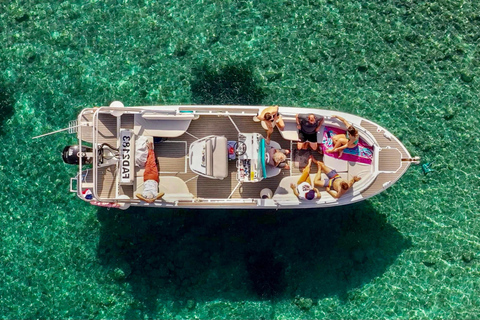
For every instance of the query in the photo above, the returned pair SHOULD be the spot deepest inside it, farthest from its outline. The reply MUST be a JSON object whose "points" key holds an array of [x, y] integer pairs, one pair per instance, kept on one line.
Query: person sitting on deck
{"points": [[304, 188], [271, 117], [277, 157], [308, 125], [347, 140], [150, 177], [335, 185]]}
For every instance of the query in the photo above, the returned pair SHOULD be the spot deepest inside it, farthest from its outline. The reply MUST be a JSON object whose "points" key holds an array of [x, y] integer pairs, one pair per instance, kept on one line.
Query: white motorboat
{"points": [[214, 157]]}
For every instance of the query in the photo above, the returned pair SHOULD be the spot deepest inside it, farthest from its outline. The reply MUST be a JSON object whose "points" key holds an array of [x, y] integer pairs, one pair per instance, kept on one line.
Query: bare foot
{"points": [[329, 151], [340, 153]]}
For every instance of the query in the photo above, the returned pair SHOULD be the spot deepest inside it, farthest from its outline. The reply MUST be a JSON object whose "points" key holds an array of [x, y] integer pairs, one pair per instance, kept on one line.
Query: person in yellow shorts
{"points": [[304, 189]]}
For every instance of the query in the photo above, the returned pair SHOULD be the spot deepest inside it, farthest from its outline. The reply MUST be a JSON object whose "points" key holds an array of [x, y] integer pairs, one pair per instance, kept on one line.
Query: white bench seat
{"points": [[173, 187]]}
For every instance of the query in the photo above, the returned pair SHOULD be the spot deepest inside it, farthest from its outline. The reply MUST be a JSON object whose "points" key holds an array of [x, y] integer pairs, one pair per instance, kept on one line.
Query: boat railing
{"points": [[95, 155], [80, 160], [219, 110], [216, 202]]}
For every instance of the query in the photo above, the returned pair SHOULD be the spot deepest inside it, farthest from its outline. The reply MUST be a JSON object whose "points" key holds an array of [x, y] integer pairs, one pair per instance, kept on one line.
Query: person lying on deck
{"points": [[271, 117], [347, 140], [304, 189], [150, 178], [335, 185], [308, 125], [277, 157]]}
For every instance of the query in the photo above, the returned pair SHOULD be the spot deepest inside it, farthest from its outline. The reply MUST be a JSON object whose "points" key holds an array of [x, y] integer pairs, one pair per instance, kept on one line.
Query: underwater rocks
{"points": [[466, 76], [121, 273], [22, 18], [6, 103], [468, 257], [303, 303], [190, 304]]}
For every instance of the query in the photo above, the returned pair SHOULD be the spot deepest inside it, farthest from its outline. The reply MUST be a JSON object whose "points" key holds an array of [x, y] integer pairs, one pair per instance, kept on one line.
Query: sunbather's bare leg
{"points": [[280, 123], [323, 167], [318, 177], [337, 144]]}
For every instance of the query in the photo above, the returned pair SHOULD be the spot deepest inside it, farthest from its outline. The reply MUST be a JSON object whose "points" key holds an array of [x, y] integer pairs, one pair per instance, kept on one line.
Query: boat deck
{"points": [[172, 159]]}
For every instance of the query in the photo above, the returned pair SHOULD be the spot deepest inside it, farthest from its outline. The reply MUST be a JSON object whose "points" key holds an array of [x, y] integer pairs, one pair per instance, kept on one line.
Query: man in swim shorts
{"points": [[308, 125], [335, 185], [150, 177], [304, 189]]}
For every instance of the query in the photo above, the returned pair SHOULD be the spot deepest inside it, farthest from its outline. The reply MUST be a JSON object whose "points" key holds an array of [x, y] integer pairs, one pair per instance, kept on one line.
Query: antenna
{"points": [[72, 126]]}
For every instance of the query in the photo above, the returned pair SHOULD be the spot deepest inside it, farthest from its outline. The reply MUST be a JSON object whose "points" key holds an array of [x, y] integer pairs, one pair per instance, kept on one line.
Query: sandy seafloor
{"points": [[411, 252]]}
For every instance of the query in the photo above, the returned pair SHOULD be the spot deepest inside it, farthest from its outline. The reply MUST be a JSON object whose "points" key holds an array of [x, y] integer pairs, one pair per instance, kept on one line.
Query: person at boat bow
{"points": [[150, 178], [343, 141]]}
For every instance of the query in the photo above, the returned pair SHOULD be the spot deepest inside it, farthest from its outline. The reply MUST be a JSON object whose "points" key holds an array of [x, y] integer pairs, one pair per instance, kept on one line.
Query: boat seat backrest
{"points": [[209, 157], [290, 132], [173, 187], [217, 160]]}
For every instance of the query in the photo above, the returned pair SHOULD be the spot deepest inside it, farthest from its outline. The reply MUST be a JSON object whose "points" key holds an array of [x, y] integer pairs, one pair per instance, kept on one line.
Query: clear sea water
{"points": [[411, 252]]}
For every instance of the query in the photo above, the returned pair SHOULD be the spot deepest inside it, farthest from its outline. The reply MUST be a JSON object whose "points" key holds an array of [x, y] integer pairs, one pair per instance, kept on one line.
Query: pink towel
{"points": [[362, 153]]}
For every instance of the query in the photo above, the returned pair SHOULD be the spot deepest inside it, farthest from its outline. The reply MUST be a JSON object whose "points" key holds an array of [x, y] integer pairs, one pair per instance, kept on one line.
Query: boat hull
{"points": [[193, 147]]}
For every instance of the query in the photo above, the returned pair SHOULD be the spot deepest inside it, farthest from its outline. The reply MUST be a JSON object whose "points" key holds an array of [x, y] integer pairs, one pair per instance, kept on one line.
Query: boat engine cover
{"points": [[71, 155]]}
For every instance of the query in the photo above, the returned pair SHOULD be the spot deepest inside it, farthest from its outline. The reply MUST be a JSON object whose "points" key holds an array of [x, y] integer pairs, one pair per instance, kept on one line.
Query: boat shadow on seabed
{"points": [[235, 255]]}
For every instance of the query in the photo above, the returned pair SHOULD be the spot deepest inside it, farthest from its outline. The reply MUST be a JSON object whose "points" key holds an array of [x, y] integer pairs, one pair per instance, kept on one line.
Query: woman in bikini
{"points": [[347, 140], [271, 117]]}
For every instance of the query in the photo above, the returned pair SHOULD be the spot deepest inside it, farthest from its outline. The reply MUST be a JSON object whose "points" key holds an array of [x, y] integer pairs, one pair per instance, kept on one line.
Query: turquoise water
{"points": [[411, 252]]}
